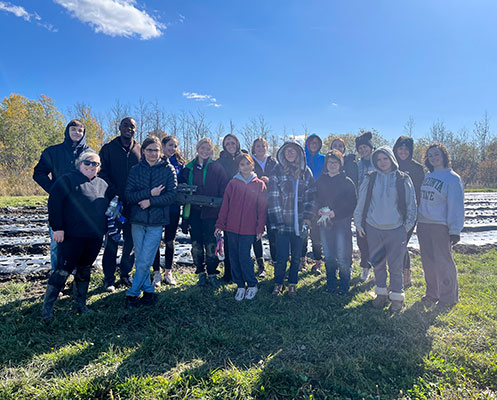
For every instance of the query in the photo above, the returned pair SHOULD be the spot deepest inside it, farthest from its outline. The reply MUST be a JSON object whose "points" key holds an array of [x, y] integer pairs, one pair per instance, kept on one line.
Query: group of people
{"points": [[299, 195]]}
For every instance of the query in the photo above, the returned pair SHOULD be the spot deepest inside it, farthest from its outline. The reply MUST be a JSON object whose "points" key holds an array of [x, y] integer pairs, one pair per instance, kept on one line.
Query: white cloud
{"points": [[181, 18], [334, 104], [202, 97], [21, 12], [18, 11], [114, 17]]}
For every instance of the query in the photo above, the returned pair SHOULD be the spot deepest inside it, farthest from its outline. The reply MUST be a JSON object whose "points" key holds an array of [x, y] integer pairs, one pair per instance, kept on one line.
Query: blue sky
{"points": [[333, 66]]}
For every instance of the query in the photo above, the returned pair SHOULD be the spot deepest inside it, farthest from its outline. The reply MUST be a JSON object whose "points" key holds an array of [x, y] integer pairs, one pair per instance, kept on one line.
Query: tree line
{"points": [[27, 126]]}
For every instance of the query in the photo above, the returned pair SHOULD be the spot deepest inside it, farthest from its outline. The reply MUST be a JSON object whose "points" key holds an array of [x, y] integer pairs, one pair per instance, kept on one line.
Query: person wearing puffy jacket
{"points": [[243, 217], [151, 188]]}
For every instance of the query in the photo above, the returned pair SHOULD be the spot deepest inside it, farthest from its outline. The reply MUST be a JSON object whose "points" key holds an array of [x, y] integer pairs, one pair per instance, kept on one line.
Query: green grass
{"points": [[480, 190], [23, 201], [199, 343]]}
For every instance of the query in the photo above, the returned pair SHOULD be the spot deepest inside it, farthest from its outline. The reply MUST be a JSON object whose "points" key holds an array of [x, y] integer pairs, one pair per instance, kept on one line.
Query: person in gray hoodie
{"points": [[385, 212], [441, 220]]}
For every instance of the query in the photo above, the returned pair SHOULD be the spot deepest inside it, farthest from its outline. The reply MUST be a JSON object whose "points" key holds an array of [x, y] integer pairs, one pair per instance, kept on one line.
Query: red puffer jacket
{"points": [[244, 207]]}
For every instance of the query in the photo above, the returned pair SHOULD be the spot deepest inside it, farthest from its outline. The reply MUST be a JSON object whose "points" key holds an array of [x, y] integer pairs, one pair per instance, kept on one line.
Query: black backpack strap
{"points": [[371, 179]]}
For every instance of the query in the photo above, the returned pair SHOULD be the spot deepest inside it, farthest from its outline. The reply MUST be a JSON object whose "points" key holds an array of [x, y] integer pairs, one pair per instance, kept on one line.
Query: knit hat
{"points": [[365, 138]]}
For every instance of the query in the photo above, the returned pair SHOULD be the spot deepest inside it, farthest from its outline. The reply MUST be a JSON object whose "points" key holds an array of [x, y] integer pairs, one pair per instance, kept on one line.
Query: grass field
{"points": [[199, 343], [23, 201]]}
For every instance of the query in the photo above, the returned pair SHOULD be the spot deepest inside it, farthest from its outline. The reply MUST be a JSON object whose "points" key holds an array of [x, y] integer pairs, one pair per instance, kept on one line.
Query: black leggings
{"points": [[79, 253]]}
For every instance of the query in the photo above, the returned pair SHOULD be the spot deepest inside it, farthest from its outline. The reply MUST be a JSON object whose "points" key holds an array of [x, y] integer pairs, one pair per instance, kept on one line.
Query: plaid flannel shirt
{"points": [[281, 213]]}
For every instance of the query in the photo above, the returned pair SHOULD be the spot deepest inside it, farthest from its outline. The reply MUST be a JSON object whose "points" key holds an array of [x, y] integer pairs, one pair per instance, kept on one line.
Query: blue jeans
{"points": [[146, 240], [54, 251], [287, 243], [337, 247], [242, 265]]}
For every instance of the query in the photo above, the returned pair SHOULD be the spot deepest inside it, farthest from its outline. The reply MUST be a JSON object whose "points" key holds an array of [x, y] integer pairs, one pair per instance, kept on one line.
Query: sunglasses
{"points": [[92, 163]]}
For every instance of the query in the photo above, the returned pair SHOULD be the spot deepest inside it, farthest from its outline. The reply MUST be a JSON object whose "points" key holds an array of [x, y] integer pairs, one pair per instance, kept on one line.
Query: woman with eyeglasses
{"points": [[151, 188], [76, 214]]}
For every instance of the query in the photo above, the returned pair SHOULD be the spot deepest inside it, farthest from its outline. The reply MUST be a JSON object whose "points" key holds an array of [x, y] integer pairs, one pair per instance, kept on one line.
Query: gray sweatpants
{"points": [[388, 246], [438, 264]]}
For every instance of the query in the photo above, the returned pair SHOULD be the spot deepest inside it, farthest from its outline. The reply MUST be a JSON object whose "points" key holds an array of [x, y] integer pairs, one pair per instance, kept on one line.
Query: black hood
{"points": [[81, 145], [404, 141]]}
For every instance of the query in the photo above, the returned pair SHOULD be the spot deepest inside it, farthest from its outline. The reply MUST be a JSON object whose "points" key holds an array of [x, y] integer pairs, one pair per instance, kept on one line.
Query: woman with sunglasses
{"points": [[151, 188], [76, 214]]}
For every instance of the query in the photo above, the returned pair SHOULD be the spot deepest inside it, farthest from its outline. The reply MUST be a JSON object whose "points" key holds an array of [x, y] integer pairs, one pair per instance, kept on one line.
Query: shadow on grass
{"points": [[317, 343]]}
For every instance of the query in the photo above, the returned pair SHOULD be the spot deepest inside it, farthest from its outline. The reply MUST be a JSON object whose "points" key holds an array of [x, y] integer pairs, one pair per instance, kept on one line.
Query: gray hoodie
{"points": [[383, 212]]}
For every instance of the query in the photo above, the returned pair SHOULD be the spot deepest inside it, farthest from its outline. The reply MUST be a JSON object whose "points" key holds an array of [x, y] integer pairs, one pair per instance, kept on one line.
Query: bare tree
{"points": [[256, 127], [158, 119], [409, 126], [142, 117], [482, 135]]}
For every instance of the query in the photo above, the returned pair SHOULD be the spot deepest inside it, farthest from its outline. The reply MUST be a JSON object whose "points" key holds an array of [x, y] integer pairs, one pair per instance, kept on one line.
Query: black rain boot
{"points": [[148, 299], [47, 310], [261, 269], [80, 293]]}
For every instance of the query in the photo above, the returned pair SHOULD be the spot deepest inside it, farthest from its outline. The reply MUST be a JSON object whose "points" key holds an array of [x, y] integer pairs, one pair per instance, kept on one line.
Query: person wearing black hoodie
{"points": [[56, 161], [228, 160], [118, 156], [403, 150]]}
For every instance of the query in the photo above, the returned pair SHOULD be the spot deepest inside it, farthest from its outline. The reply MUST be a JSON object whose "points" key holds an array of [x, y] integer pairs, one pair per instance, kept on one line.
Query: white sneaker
{"points": [[169, 278], [251, 292], [366, 272], [157, 279], [240, 294]]}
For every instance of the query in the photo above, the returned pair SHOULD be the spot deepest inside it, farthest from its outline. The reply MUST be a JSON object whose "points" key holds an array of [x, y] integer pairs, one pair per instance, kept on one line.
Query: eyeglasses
{"points": [[152, 150], [92, 163]]}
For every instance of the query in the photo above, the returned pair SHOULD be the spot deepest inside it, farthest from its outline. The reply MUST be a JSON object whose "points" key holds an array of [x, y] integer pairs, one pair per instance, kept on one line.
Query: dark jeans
{"points": [[362, 243], [337, 247], [227, 259], [258, 250], [286, 244], [76, 253], [169, 236], [110, 254], [317, 252], [242, 265], [203, 243], [407, 258]]}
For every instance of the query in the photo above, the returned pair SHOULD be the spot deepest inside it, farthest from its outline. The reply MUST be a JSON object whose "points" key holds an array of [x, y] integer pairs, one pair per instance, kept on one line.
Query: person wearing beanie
{"points": [[211, 180], [291, 196], [335, 202], [364, 147], [385, 212], [403, 150], [441, 220], [349, 163], [315, 161]]}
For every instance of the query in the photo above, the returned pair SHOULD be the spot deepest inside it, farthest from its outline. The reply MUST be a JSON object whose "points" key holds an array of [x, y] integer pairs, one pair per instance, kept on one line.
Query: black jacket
{"points": [[350, 168], [229, 162], [414, 169], [57, 160], [338, 193], [77, 206], [141, 180], [268, 168], [116, 164]]}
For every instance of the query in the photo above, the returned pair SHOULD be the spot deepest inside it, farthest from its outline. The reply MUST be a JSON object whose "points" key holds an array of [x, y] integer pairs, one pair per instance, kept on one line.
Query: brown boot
{"points": [[380, 301]]}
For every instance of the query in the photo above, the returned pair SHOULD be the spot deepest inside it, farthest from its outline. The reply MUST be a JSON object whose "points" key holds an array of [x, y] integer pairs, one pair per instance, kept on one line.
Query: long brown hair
{"points": [[178, 155], [445, 154]]}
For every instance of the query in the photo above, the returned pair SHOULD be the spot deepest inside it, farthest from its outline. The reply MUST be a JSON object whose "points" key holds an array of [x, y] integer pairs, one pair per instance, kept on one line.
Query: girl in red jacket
{"points": [[243, 217]]}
